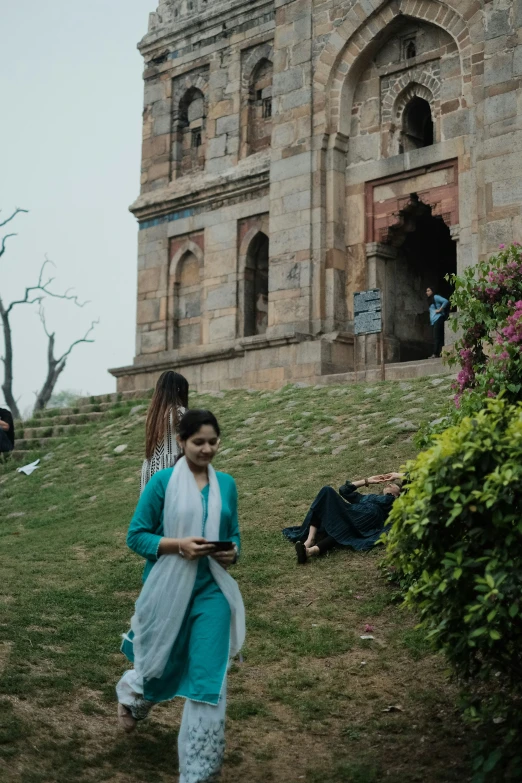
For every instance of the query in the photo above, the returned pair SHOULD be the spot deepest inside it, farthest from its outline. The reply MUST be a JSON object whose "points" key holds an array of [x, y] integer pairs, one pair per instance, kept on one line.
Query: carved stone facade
{"points": [[298, 151]]}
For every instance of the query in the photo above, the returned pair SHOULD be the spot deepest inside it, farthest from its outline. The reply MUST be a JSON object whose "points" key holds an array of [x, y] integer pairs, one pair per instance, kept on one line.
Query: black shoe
{"points": [[300, 551]]}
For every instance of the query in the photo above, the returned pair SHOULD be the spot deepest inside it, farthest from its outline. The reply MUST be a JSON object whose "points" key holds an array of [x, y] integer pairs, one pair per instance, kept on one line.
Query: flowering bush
{"points": [[456, 543], [489, 300]]}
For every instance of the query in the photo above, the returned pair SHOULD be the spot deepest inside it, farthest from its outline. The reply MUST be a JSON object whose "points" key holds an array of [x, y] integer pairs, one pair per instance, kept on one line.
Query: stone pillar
{"points": [[334, 282], [380, 263], [291, 215]]}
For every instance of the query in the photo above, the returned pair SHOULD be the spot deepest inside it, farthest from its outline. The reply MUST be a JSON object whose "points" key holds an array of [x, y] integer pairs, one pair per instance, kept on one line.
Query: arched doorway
{"points": [[425, 255], [256, 286]]}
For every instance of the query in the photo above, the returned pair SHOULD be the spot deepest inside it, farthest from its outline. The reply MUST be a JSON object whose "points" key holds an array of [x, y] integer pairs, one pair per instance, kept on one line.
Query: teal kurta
{"points": [[198, 661]]}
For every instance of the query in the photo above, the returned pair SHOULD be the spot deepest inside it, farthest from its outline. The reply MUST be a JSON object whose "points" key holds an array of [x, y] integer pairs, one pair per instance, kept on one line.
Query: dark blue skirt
{"points": [[358, 524]]}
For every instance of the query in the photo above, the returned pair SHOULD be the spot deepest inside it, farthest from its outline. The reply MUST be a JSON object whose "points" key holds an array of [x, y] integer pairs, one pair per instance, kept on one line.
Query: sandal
{"points": [[125, 719], [300, 551]]}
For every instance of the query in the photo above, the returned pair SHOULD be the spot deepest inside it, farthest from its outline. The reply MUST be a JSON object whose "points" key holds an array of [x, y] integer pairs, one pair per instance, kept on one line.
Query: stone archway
{"points": [[345, 54], [425, 255], [255, 307], [341, 156], [184, 293], [411, 246]]}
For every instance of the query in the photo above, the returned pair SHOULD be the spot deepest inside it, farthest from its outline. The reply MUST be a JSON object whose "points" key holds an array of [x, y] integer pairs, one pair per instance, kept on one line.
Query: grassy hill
{"points": [[310, 702]]}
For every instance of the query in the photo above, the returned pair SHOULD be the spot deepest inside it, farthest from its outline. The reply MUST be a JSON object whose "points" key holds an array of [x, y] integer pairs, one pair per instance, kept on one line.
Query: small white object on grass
{"points": [[120, 449], [28, 469], [367, 637]]}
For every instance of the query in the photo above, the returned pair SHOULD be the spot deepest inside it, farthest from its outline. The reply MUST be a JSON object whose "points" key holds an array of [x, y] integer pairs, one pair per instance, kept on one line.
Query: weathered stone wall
{"points": [[301, 105]]}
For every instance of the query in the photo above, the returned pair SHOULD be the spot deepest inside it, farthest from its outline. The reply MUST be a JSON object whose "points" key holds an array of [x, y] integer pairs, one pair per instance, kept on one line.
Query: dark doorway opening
{"points": [[426, 254], [256, 286]]}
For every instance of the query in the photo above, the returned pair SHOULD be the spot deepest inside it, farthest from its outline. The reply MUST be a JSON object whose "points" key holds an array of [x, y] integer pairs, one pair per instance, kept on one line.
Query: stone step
{"points": [[129, 396], [67, 419], [393, 372], [50, 431], [83, 410], [51, 413]]}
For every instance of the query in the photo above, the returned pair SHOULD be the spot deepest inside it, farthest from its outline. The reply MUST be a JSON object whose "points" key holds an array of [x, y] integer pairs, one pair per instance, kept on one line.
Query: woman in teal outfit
{"points": [[189, 618]]}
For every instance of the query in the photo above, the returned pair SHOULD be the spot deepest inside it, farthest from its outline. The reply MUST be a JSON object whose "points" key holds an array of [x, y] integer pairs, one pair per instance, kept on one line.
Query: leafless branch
{"points": [[15, 213], [84, 339], [56, 366], [43, 287], [34, 294], [4, 240], [41, 313]]}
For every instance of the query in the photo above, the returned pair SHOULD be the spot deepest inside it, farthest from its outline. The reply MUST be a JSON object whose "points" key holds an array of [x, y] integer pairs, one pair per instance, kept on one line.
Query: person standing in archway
{"points": [[439, 312]]}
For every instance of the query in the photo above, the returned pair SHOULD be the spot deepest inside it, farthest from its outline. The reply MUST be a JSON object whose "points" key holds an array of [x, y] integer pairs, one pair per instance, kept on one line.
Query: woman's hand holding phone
{"points": [[225, 553], [194, 547]]}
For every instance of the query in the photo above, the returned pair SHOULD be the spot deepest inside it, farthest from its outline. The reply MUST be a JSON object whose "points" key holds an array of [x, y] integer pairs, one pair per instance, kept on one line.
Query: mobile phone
{"points": [[222, 546]]}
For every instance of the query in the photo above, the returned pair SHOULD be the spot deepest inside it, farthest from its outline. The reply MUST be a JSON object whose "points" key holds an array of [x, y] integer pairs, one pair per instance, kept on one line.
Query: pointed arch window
{"points": [[256, 286], [187, 313], [417, 125], [191, 132], [260, 107]]}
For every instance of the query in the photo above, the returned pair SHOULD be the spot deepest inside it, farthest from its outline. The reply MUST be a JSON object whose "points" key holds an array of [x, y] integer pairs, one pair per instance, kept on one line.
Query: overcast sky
{"points": [[71, 103]]}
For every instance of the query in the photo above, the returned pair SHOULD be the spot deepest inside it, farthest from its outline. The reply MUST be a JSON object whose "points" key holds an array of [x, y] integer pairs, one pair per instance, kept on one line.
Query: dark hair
{"points": [[432, 289], [171, 393], [193, 420]]}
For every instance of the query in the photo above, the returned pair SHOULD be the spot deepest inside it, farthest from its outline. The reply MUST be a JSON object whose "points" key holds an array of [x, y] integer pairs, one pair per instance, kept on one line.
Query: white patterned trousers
{"points": [[201, 738]]}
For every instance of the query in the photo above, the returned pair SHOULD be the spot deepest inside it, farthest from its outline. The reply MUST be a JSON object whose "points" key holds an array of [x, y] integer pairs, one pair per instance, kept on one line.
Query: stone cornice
{"points": [[221, 17], [204, 190]]}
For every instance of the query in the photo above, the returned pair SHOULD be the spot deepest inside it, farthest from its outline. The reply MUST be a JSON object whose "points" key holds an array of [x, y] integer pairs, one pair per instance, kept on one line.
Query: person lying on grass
{"points": [[345, 519]]}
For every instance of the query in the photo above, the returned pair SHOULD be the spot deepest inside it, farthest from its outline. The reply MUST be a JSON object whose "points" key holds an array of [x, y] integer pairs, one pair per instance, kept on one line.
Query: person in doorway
{"points": [[261, 314], [7, 433], [439, 312], [189, 618], [345, 519], [168, 404]]}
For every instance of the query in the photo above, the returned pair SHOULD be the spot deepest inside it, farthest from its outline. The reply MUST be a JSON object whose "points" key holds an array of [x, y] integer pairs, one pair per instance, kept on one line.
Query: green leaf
{"points": [[492, 760], [513, 610], [490, 581], [495, 635]]}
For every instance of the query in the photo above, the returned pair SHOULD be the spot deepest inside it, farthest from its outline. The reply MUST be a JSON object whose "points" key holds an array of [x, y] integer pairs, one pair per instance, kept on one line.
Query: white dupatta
{"points": [[165, 596]]}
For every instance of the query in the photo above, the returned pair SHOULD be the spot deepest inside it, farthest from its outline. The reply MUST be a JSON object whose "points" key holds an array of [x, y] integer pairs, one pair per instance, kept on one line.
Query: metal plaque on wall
{"points": [[367, 311]]}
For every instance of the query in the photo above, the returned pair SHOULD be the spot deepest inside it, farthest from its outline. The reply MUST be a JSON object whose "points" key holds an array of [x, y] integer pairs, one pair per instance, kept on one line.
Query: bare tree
{"points": [[33, 295], [56, 366]]}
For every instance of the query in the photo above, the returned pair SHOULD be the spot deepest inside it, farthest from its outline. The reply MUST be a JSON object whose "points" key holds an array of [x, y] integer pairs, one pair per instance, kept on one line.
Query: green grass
{"points": [[308, 702]]}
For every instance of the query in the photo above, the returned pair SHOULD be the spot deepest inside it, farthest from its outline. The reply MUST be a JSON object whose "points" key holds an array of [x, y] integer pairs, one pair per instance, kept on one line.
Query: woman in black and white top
{"points": [[169, 403]]}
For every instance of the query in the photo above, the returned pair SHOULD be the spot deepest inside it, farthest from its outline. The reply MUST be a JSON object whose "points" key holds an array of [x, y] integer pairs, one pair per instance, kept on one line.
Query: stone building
{"points": [[298, 151]]}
